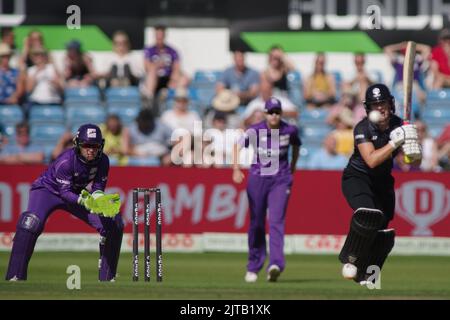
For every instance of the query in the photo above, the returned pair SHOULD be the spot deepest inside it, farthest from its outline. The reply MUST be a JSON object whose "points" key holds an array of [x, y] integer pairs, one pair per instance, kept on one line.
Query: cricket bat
{"points": [[408, 77]]}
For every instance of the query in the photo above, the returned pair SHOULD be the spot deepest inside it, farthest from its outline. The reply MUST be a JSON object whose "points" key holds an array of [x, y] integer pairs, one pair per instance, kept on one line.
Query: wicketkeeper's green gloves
{"points": [[100, 203]]}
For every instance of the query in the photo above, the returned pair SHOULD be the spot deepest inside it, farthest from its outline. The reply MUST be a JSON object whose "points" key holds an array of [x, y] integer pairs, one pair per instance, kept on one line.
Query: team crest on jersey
{"points": [[374, 138], [91, 133], [376, 92]]}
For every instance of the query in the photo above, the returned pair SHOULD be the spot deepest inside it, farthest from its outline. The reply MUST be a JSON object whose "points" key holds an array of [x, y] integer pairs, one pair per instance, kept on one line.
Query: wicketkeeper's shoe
{"points": [[251, 277], [273, 273]]}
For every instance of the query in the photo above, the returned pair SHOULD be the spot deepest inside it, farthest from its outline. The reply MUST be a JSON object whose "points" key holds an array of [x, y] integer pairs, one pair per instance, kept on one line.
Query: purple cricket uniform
{"points": [[268, 189], [167, 55], [59, 188]]}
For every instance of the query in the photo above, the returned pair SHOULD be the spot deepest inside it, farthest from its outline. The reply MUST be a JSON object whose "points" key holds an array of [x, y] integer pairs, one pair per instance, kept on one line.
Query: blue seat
{"points": [[306, 151], [376, 75], [316, 116], [295, 94], [46, 133], [85, 114], [51, 113], [125, 94], [147, 161], [82, 95], [431, 114], [294, 79], [11, 114], [127, 113], [206, 77], [314, 134], [205, 95]]}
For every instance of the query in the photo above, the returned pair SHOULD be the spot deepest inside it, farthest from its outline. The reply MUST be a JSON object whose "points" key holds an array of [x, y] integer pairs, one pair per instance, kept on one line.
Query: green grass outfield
{"points": [[220, 276]]}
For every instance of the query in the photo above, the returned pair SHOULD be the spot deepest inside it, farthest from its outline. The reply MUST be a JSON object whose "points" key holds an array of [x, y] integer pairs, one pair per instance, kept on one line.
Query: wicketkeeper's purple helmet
{"points": [[89, 134]]}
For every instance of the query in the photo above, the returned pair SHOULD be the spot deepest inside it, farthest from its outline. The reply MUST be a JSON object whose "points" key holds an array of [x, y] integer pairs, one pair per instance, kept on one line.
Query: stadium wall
{"points": [[205, 211]]}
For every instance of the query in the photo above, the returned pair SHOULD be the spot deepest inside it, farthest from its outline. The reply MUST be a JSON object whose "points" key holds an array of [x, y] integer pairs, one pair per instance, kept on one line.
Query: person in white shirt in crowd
{"points": [[123, 69], [180, 116], [327, 158], [43, 84], [290, 111], [22, 152], [430, 161]]}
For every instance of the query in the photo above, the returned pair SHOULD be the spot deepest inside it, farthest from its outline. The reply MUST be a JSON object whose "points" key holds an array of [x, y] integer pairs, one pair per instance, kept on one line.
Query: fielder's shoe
{"points": [[273, 273], [251, 277], [14, 279]]}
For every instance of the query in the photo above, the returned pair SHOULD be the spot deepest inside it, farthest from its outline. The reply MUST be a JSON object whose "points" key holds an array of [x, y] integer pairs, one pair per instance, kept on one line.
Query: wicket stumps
{"points": [[158, 233]]}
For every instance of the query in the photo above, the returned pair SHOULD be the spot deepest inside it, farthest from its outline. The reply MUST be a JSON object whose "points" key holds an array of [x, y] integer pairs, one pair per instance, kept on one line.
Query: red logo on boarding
{"points": [[422, 203]]}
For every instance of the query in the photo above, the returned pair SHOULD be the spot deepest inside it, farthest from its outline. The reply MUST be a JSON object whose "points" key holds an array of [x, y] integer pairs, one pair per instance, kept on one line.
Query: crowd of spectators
{"points": [[30, 78]]}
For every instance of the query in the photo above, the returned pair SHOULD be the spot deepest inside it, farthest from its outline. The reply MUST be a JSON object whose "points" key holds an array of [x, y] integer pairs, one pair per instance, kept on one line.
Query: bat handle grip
{"points": [[406, 159]]}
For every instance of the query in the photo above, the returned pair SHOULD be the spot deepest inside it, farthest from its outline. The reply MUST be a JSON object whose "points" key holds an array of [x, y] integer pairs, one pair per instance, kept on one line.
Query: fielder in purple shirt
{"points": [[269, 186], [63, 186]]}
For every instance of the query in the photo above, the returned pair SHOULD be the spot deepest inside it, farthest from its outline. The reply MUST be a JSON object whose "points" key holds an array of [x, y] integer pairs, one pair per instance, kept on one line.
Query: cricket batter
{"points": [[63, 186], [368, 185], [269, 185]]}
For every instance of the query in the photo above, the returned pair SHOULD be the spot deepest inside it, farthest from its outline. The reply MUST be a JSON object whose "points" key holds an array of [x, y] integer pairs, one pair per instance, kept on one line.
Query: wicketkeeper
{"points": [[368, 185], [64, 186]]}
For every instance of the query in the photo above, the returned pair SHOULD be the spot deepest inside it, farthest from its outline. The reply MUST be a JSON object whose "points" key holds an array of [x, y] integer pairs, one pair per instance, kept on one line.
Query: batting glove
{"points": [[397, 137], [412, 150]]}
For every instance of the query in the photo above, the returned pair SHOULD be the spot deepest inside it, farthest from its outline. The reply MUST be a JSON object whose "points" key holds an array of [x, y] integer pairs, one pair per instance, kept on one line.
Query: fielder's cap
{"points": [[226, 101], [5, 50], [181, 93], [272, 104]]}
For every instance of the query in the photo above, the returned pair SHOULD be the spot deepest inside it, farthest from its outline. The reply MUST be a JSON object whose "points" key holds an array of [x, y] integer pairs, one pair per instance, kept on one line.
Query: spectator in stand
{"points": [[78, 68], [7, 36], [327, 158], [64, 143], [396, 54], [43, 83], [290, 111], [320, 87], [440, 64], [162, 65], [3, 137], [122, 70], [34, 40], [349, 101], [115, 135], [240, 79], [429, 148], [343, 132], [277, 71], [149, 137], [362, 80], [444, 149], [23, 152], [227, 102], [11, 81], [180, 116]]}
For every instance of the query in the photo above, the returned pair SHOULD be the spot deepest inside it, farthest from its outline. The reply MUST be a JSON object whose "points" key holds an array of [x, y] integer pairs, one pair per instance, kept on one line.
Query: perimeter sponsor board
{"points": [[196, 201]]}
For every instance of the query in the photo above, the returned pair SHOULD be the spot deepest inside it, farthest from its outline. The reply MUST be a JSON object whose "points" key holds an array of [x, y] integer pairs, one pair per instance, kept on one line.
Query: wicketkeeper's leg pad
{"points": [[28, 230], [364, 226], [110, 250]]}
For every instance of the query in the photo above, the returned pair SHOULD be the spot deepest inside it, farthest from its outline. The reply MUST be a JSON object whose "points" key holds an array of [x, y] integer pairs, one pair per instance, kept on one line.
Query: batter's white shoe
{"points": [[251, 277], [14, 279], [273, 273]]}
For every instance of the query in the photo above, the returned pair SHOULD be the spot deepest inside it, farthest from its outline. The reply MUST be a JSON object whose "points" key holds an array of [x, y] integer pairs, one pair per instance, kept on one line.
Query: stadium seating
{"points": [[85, 114], [46, 133], [123, 95], [206, 77], [127, 113], [81, 95], [315, 116], [46, 114], [147, 161], [315, 134], [11, 114]]}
